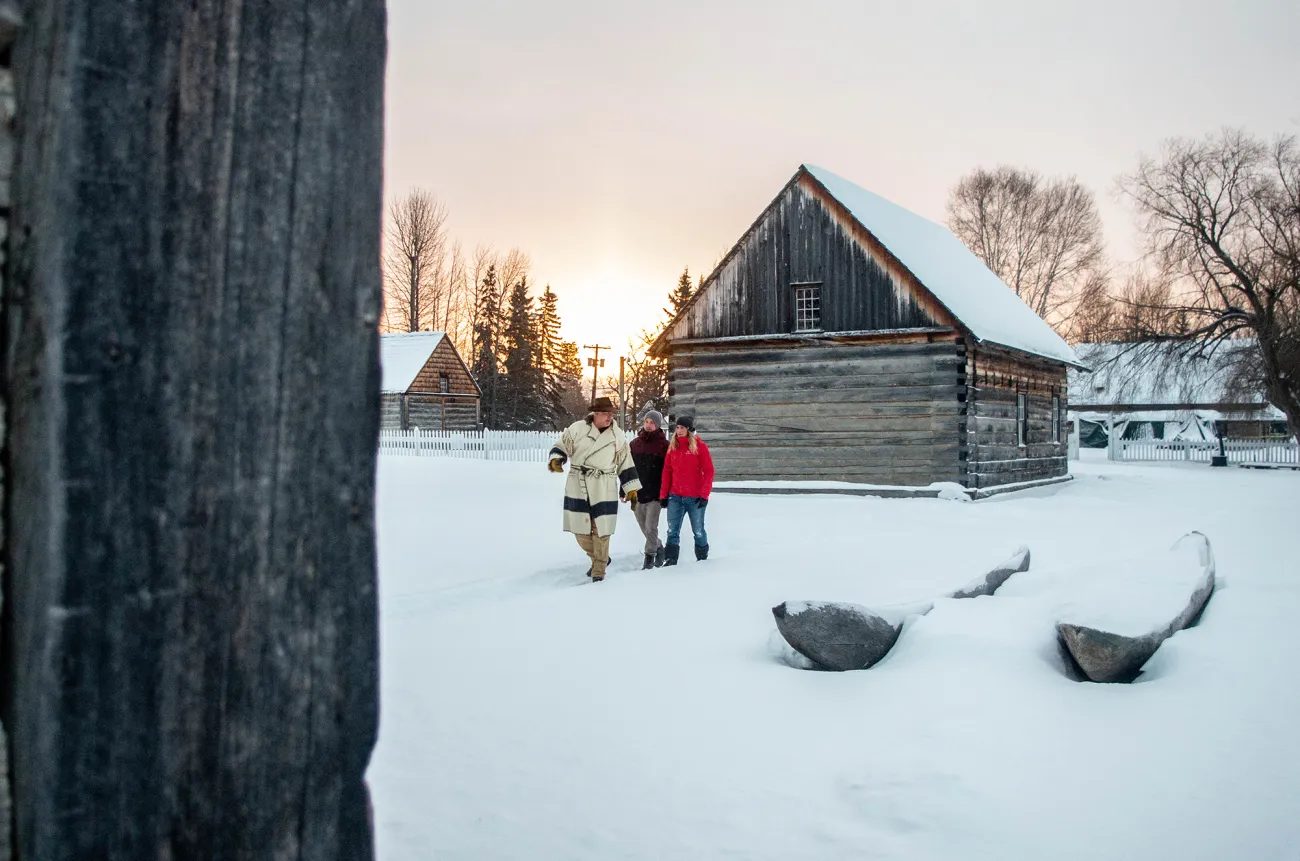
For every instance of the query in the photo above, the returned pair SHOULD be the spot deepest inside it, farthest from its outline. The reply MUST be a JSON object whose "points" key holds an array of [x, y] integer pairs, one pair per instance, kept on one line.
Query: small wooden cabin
{"points": [[845, 338], [426, 384]]}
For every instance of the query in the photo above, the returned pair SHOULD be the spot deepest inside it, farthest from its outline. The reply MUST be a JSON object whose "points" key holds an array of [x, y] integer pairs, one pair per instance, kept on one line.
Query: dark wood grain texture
{"points": [[192, 367]]}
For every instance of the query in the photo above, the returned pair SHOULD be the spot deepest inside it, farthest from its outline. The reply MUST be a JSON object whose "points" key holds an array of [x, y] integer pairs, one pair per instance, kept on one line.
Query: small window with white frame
{"points": [[807, 307], [444, 383], [1022, 420]]}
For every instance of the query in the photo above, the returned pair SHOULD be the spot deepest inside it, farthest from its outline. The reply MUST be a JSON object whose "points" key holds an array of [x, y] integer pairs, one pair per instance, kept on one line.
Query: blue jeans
{"points": [[689, 506]]}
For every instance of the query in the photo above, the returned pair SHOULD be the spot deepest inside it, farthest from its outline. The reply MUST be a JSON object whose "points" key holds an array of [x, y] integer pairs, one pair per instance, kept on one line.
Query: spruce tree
{"points": [[521, 389], [548, 347], [680, 295], [572, 397], [486, 367]]}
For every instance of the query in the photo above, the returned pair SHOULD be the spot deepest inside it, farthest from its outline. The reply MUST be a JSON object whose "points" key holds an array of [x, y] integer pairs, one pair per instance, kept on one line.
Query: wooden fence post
{"points": [[192, 370], [10, 21]]}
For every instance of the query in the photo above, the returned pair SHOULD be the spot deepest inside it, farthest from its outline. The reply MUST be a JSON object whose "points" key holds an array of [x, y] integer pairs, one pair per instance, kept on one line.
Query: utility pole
{"points": [[595, 363], [415, 297], [622, 401]]}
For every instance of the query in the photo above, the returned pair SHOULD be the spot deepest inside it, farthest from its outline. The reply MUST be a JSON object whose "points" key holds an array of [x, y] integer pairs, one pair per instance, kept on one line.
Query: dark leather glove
{"points": [[631, 499], [704, 503], [556, 465]]}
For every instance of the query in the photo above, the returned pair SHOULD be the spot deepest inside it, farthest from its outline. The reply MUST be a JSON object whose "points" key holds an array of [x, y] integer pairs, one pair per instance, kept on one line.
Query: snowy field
{"points": [[529, 715]]}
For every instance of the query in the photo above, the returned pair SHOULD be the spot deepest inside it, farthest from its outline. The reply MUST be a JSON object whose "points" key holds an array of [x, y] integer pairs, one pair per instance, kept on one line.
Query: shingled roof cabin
{"points": [[426, 384], [845, 338]]}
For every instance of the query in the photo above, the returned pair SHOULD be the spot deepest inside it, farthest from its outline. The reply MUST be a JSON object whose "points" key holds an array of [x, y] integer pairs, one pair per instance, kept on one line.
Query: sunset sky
{"points": [[616, 143]]}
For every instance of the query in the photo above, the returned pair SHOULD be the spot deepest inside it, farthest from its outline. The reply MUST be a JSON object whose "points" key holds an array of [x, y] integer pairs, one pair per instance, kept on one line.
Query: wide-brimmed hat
{"points": [[601, 405]]}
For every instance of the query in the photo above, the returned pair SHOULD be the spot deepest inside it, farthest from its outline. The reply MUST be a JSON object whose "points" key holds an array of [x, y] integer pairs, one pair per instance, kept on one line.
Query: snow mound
{"points": [[1142, 594]]}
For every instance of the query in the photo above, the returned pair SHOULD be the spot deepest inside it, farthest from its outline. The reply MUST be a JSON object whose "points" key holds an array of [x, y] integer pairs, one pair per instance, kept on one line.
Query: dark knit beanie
{"points": [[687, 422]]}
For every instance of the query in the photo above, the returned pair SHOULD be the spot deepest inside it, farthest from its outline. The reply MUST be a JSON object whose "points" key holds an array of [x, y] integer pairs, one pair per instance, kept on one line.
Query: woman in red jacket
{"points": [[685, 488]]}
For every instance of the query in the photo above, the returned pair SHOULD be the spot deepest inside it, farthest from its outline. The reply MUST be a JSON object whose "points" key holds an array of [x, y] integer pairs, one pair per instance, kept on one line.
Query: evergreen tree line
{"points": [[530, 376]]}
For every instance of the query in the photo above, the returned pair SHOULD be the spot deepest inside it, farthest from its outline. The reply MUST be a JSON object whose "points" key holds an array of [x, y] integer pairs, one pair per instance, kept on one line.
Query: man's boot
{"points": [[701, 552], [670, 554], [659, 557], [649, 561]]}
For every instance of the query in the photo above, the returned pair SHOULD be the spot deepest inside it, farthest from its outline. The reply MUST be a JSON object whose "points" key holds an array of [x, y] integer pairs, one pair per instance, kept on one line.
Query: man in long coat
{"points": [[600, 463]]}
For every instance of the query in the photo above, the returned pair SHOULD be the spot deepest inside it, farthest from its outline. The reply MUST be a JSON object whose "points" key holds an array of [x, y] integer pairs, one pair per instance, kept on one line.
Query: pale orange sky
{"points": [[616, 143]]}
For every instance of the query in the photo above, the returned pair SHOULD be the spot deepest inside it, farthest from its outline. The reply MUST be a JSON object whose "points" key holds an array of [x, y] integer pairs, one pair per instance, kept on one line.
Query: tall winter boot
{"points": [[659, 557], [670, 554], [649, 561], [701, 552]]}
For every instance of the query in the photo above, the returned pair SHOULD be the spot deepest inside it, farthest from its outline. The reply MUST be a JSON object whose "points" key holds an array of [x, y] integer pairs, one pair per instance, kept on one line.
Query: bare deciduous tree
{"points": [[1094, 316], [1042, 237], [415, 266], [1222, 217], [647, 375]]}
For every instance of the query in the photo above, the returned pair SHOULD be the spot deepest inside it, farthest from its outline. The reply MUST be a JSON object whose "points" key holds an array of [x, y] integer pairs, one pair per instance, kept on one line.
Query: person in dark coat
{"points": [[648, 451], [685, 486]]}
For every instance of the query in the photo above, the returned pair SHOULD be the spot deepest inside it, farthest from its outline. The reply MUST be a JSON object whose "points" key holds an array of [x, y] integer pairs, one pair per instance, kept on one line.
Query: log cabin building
{"points": [[844, 338], [426, 384]]}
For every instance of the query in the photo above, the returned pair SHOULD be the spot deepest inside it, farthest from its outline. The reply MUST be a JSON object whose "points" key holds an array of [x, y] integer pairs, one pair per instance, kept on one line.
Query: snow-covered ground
{"points": [[650, 717]]}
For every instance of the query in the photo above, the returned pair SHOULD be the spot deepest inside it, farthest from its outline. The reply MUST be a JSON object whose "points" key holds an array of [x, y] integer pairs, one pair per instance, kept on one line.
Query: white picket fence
{"points": [[1238, 451], [527, 446]]}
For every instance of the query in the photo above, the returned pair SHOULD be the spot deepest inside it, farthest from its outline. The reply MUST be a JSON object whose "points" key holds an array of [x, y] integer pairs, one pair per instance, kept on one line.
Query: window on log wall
{"points": [[1056, 418], [807, 307], [1022, 420], [444, 383]]}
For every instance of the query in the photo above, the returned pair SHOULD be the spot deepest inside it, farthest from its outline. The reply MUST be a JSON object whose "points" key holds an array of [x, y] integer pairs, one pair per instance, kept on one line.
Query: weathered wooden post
{"points": [[10, 18], [191, 368]]}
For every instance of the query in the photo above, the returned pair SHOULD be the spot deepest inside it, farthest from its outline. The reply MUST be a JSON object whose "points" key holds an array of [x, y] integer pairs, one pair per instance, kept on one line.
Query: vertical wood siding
{"points": [[805, 238]]}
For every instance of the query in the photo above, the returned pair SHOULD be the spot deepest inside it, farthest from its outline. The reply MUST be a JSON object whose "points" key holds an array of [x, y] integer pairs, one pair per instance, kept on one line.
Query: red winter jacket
{"points": [[687, 474]]}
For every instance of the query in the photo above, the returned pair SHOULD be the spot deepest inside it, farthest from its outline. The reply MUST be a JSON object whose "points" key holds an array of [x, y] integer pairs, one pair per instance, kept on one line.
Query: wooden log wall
{"points": [[804, 236], [994, 454], [429, 412], [390, 412], [883, 412], [192, 367], [444, 360], [436, 413]]}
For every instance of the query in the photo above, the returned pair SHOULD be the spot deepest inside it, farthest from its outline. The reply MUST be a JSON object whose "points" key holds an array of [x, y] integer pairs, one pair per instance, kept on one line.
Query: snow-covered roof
{"points": [[401, 357], [1160, 374], [978, 298]]}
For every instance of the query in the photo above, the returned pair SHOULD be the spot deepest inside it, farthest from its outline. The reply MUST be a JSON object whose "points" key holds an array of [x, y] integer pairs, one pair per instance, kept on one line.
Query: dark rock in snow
{"points": [[840, 636], [1103, 656], [836, 636], [989, 583]]}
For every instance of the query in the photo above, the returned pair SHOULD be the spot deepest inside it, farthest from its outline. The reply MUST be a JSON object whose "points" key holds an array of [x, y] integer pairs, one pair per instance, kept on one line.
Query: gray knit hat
{"points": [[656, 417]]}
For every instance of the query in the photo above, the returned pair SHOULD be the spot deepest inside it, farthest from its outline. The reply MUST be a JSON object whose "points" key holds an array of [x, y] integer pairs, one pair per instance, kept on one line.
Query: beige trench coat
{"points": [[599, 463]]}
